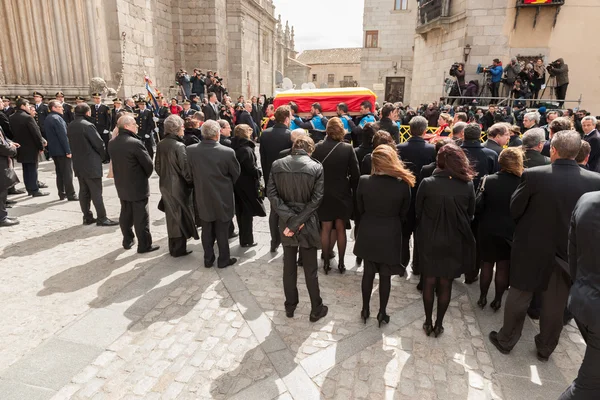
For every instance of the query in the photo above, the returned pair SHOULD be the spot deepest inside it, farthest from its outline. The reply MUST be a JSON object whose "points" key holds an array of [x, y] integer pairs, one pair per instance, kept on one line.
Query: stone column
{"points": [[11, 60], [49, 56], [29, 78], [81, 42], [76, 65], [92, 37], [61, 38]]}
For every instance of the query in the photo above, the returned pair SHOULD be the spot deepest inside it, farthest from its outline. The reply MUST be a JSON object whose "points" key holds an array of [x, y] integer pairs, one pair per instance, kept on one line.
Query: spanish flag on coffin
{"points": [[537, 1], [328, 98]]}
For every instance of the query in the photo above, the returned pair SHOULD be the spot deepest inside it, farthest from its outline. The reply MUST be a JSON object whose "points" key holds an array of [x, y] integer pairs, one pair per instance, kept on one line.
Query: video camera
{"points": [[483, 70], [554, 64], [454, 69]]}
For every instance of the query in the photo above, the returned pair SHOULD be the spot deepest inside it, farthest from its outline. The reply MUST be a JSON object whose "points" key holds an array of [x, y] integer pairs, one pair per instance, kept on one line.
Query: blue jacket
{"points": [[496, 73], [366, 119], [55, 130]]}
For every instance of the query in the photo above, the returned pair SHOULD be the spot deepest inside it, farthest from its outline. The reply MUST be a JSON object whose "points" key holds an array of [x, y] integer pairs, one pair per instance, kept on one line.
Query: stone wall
{"points": [[338, 70], [396, 32]]}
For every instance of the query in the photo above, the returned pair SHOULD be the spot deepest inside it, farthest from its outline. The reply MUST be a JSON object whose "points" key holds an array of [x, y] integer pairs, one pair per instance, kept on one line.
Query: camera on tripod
{"points": [[554, 64], [483, 70], [454, 69]]}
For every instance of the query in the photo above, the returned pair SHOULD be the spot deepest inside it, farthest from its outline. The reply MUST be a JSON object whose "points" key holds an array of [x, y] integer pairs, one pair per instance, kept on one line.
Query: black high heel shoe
{"points": [[428, 328], [341, 268], [364, 315], [482, 302], [381, 317], [438, 330], [496, 304], [326, 266]]}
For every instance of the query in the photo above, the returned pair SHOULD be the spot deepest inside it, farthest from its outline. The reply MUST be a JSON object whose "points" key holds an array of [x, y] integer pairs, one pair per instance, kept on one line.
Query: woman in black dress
{"points": [[382, 200], [496, 226], [340, 167], [444, 209], [247, 201]]}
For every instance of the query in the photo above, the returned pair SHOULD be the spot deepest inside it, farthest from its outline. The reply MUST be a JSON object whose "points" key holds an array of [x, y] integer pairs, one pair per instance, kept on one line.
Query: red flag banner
{"points": [[537, 1]]}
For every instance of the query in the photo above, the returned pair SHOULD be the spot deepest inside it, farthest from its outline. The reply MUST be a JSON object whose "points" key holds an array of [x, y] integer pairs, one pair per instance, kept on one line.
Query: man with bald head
{"points": [[542, 206]]}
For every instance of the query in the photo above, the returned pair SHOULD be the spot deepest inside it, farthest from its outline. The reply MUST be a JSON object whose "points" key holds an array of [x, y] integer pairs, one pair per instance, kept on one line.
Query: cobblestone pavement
{"points": [[82, 318]]}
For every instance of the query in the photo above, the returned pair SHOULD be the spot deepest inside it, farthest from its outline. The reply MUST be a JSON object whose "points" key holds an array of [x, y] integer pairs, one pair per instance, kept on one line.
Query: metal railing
{"points": [[405, 133]]}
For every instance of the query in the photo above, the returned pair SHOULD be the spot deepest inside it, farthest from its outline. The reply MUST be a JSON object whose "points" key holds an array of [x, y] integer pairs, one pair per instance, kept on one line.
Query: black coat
{"points": [[361, 151], [87, 148], [27, 133], [42, 112], [295, 191], [189, 113], [427, 171], [482, 159], [113, 117], [101, 118], [145, 123], [56, 135], [494, 215], [515, 141], [132, 166], [415, 153], [225, 141], [366, 165], [382, 202], [584, 236], [210, 113], [444, 209], [534, 158], [492, 145], [7, 178], [272, 142], [246, 118], [341, 179], [593, 138], [175, 183], [5, 125], [257, 114], [191, 136], [247, 185], [68, 115], [214, 171], [386, 124], [541, 207], [163, 113]]}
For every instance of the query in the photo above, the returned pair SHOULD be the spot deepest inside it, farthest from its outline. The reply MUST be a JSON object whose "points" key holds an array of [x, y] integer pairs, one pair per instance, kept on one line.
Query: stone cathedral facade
{"points": [[62, 45]]}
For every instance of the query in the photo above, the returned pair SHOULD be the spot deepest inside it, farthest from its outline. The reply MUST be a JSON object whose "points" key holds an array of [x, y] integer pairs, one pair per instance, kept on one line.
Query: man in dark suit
{"points": [[246, 118], [584, 303], [583, 156], [415, 153], [27, 133], [8, 178], [533, 143], [272, 142], [101, 119], [539, 249], [132, 167], [163, 113], [498, 137], [211, 110], [6, 108], [60, 151], [557, 125], [88, 151], [257, 113], [145, 123], [67, 114], [214, 169], [129, 105], [387, 124], [41, 110], [118, 107], [591, 135], [187, 110], [5, 124]]}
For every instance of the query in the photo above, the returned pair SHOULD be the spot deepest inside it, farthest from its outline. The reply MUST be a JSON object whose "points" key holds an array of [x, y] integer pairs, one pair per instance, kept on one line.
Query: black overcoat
{"points": [[444, 209], [341, 179], [382, 202], [247, 185], [272, 142], [541, 207], [494, 217], [87, 148], [175, 183], [7, 178], [27, 133], [533, 158], [593, 138]]}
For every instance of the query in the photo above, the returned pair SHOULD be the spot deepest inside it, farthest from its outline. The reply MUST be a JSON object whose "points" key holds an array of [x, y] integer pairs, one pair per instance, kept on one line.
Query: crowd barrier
{"points": [[405, 133]]}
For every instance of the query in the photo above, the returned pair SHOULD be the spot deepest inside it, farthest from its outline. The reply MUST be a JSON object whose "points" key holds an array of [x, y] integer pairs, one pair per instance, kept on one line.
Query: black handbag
{"points": [[480, 196], [8, 178]]}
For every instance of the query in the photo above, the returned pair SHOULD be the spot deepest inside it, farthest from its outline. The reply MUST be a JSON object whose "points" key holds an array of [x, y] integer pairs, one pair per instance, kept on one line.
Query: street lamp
{"points": [[467, 51]]}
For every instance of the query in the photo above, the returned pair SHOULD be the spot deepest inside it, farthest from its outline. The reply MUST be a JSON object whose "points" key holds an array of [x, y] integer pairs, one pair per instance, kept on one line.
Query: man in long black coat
{"points": [[87, 149], [498, 137], [584, 302], [27, 133], [132, 167], [214, 170], [542, 207], [211, 110], [7, 177], [415, 153], [591, 135], [272, 142], [533, 143]]}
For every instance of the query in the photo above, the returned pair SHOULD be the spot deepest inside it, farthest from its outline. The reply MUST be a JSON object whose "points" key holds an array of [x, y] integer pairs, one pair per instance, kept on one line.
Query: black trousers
{"points": [[244, 221], [3, 197], [90, 190], [30, 177], [105, 139], [177, 246], [561, 93], [554, 300], [473, 274], [149, 143], [216, 231], [64, 176], [495, 88], [274, 228], [290, 277], [135, 214], [408, 229], [587, 384]]}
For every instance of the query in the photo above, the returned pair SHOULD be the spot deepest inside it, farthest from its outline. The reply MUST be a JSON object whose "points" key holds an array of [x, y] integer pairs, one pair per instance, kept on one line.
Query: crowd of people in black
{"points": [[469, 207]]}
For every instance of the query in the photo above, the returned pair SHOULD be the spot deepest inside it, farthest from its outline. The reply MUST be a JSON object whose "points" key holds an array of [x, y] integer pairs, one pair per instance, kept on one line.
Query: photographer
{"points": [[539, 77], [458, 71], [183, 80], [496, 71], [511, 72], [560, 70], [519, 92], [198, 83]]}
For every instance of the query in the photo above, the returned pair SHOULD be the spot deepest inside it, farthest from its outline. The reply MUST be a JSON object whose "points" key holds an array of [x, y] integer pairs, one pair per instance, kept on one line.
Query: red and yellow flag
{"points": [[537, 1]]}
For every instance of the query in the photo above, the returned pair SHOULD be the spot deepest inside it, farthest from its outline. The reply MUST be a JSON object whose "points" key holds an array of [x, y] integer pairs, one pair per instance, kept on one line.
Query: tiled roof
{"points": [[331, 56]]}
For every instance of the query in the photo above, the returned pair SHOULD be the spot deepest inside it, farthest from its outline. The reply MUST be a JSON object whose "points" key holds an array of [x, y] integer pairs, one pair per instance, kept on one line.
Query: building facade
{"points": [[503, 29], [332, 68], [387, 56], [62, 45]]}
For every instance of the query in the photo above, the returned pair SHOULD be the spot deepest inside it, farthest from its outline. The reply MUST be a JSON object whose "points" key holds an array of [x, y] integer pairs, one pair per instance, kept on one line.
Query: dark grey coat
{"points": [[541, 207], [87, 148], [534, 158], [27, 133], [175, 183], [7, 178], [214, 170]]}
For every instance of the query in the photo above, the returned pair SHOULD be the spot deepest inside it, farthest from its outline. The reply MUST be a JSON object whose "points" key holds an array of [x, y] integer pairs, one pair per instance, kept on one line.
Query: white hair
{"points": [[211, 130], [590, 118], [173, 124], [533, 116]]}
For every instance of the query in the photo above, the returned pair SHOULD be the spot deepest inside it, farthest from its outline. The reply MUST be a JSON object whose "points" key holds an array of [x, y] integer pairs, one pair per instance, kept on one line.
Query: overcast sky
{"points": [[323, 24]]}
